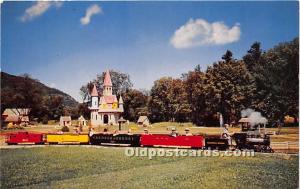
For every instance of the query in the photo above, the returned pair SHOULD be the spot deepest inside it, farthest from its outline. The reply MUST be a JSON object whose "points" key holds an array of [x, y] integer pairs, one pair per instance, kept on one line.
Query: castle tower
{"points": [[107, 85], [94, 107], [94, 96]]}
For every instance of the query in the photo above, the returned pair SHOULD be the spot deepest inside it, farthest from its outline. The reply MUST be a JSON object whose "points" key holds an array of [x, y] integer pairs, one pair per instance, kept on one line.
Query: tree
{"points": [[231, 88], [227, 56], [54, 106], [83, 110], [135, 104], [195, 86], [276, 76], [197, 68], [121, 83], [159, 103], [253, 56], [26, 94], [168, 100]]}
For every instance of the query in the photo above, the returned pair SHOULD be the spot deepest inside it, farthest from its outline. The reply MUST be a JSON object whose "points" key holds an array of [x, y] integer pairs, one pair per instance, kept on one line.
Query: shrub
{"points": [[45, 119], [65, 129]]}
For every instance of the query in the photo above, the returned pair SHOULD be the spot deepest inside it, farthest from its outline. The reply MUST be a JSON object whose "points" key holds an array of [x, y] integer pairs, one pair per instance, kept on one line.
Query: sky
{"points": [[66, 44]]}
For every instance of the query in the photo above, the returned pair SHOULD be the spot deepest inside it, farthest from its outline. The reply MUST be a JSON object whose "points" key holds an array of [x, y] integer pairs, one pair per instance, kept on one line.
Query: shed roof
{"points": [[81, 118], [16, 111], [65, 118], [12, 118], [142, 119]]}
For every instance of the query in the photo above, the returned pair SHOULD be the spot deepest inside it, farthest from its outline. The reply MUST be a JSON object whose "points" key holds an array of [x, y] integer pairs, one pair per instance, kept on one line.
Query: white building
{"points": [[65, 121], [143, 121], [108, 109]]}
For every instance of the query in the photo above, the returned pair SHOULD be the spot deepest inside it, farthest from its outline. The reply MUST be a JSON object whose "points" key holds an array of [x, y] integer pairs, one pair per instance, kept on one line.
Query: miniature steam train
{"points": [[134, 140], [243, 140]]}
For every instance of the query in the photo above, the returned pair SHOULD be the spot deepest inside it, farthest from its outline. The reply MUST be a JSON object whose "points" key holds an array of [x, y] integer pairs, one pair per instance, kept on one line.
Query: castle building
{"points": [[108, 109]]}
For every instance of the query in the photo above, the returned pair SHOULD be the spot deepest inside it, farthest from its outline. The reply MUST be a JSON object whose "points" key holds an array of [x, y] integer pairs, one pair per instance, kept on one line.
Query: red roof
{"points": [[107, 79], [94, 91], [110, 99], [12, 118]]}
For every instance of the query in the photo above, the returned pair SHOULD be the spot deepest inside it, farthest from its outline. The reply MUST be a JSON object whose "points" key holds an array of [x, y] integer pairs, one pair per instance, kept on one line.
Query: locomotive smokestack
{"points": [[253, 116]]}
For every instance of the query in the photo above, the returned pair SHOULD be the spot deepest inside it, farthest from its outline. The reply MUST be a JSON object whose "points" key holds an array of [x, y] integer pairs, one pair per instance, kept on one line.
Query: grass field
{"points": [[82, 167]]}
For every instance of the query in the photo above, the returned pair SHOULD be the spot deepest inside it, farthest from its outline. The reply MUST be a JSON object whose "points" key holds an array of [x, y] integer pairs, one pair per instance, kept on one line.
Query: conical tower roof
{"points": [[94, 91], [107, 80]]}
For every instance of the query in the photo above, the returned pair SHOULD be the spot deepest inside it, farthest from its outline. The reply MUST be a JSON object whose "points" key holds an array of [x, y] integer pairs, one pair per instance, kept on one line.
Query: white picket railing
{"points": [[285, 145]]}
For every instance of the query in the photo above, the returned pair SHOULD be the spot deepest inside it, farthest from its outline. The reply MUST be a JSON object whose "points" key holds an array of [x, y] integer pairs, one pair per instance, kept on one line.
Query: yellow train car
{"points": [[67, 138]]}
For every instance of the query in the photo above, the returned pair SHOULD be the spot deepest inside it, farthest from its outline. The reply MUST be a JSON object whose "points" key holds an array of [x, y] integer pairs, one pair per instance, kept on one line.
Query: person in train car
{"points": [[76, 131], [146, 132], [105, 131], [187, 132], [129, 132], [91, 132], [174, 133], [225, 133], [115, 132]]}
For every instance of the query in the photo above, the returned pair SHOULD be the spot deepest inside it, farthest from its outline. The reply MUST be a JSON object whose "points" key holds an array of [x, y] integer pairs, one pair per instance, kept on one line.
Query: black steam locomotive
{"points": [[252, 137]]}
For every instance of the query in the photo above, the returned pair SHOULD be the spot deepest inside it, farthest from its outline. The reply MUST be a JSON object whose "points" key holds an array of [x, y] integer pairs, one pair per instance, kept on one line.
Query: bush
{"points": [[12, 126], [65, 129], [45, 119]]}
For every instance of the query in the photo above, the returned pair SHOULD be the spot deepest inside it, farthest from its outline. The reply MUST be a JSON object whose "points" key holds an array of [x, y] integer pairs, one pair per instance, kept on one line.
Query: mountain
{"points": [[13, 82]]}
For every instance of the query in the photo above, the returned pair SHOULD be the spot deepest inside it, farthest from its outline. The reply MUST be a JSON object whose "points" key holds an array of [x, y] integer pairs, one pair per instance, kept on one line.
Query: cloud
{"points": [[39, 8], [92, 10], [200, 32]]}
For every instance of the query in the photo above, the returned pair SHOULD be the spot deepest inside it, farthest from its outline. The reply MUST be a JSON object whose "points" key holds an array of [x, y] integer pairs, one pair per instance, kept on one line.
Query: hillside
{"points": [[13, 82]]}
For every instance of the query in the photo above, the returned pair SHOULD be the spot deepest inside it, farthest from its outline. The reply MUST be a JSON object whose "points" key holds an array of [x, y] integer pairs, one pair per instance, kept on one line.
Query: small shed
{"points": [[143, 121], [65, 121], [82, 121], [15, 119], [16, 115]]}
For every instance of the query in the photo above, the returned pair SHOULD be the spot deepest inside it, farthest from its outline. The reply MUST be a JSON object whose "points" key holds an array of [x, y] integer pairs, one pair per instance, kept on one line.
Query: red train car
{"points": [[24, 137], [167, 140]]}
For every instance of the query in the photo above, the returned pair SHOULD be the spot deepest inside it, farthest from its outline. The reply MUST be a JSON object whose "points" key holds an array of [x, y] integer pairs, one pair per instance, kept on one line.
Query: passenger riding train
{"points": [[246, 139]]}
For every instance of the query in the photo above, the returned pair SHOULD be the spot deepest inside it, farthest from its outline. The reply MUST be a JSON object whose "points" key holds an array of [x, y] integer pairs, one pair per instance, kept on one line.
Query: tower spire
{"points": [[94, 91], [107, 85], [107, 80]]}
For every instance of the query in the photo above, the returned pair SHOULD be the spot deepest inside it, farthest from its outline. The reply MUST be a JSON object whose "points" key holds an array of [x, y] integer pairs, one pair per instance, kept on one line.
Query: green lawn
{"points": [[80, 167]]}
